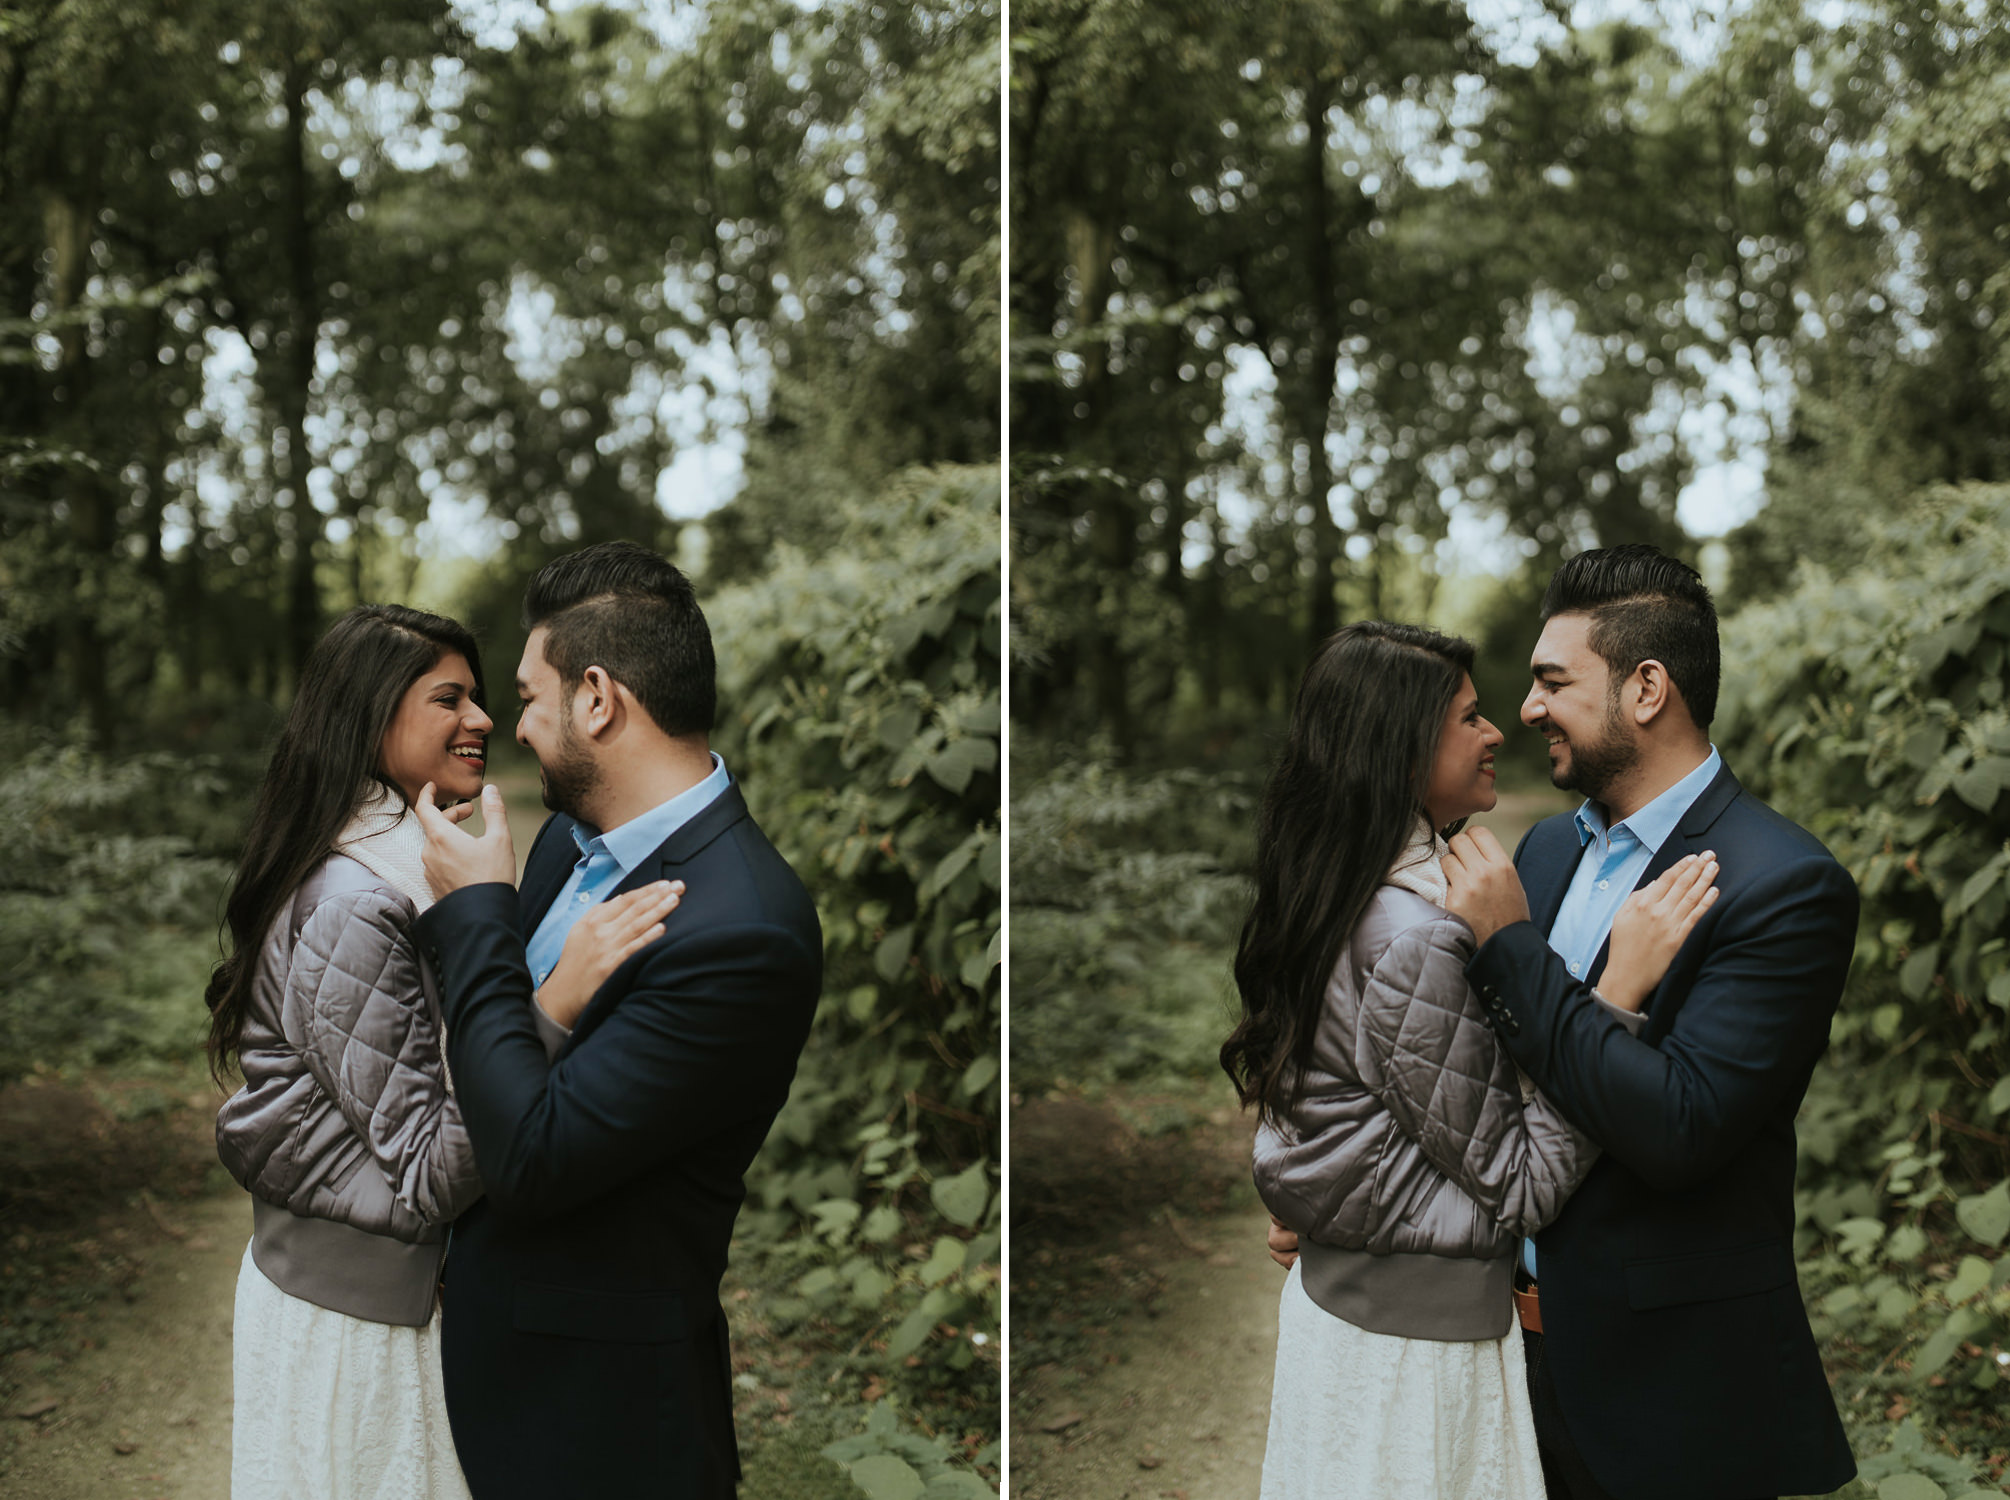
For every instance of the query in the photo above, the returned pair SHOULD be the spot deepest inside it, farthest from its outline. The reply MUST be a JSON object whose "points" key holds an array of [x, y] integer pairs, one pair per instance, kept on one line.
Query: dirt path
{"points": [[145, 1413], [1144, 1307], [1180, 1405]]}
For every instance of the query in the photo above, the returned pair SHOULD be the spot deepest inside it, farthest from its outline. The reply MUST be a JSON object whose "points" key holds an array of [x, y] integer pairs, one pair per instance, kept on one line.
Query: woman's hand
{"points": [[600, 942], [1651, 926]]}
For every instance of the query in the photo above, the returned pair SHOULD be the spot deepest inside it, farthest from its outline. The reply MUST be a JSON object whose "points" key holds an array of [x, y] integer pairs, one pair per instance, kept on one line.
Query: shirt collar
{"points": [[641, 836], [1652, 824]]}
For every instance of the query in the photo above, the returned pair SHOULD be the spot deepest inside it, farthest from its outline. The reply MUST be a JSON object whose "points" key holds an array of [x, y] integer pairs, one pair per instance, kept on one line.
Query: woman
{"points": [[1395, 1135], [345, 1131]]}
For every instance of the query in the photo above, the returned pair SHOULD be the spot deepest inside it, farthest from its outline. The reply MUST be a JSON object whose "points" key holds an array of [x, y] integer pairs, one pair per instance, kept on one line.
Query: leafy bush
{"points": [[1127, 895], [862, 686], [109, 897], [887, 1464], [1873, 709]]}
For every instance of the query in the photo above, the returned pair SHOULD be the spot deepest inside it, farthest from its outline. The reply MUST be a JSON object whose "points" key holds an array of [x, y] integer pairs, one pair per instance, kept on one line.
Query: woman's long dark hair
{"points": [[1342, 802], [325, 761]]}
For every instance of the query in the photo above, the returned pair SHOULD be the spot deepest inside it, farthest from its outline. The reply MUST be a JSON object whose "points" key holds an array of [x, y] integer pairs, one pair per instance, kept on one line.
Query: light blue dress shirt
{"points": [[1610, 866], [607, 859], [1612, 863]]}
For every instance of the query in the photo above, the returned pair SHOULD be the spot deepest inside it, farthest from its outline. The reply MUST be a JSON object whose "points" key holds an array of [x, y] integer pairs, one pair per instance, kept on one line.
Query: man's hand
{"points": [[453, 858], [1484, 888], [1283, 1243]]}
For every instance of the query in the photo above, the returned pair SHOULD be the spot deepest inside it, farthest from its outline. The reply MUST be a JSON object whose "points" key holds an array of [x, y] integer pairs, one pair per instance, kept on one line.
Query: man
{"points": [[1669, 1353], [583, 1345]]}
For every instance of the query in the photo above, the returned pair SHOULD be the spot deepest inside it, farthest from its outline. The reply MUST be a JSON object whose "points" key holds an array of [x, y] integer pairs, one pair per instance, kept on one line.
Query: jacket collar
{"points": [[1690, 837], [545, 876], [1555, 846]]}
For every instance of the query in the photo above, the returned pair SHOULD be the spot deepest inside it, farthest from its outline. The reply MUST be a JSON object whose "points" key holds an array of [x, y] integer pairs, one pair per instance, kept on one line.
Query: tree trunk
{"points": [[190, 612], [1205, 614], [296, 376], [1322, 614], [156, 447], [1092, 242], [1173, 472], [93, 506], [1113, 538]]}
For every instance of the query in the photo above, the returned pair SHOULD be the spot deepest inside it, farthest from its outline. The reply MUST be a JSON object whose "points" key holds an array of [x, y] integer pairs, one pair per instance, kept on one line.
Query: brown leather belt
{"points": [[1529, 1308]]}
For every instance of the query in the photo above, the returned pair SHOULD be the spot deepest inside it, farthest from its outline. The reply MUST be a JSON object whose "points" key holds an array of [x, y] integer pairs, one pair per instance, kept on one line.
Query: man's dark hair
{"points": [[1644, 605], [624, 609]]}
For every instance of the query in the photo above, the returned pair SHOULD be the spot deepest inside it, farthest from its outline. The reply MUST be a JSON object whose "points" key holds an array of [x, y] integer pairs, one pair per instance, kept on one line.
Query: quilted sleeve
{"points": [[1423, 1047], [356, 1001]]}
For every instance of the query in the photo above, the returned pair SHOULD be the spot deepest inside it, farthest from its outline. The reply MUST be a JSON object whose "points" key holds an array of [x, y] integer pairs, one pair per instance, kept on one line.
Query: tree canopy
{"points": [[284, 297], [1299, 290]]}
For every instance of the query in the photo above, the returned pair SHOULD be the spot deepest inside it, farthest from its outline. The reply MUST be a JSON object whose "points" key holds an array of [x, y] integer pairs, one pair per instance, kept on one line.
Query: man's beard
{"points": [[571, 775], [1594, 766]]}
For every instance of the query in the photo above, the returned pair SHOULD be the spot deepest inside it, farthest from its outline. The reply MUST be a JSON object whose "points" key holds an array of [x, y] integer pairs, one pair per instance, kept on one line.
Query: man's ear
{"points": [[1648, 692], [600, 707]]}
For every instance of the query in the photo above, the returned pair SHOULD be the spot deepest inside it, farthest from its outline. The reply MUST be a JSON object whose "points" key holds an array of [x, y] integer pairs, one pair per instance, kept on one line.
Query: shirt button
{"points": [[583, 898], [1573, 968], [1603, 884]]}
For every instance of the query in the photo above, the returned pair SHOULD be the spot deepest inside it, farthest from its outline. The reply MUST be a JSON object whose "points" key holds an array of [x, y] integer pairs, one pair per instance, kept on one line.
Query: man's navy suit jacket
{"points": [[583, 1344], [1673, 1324]]}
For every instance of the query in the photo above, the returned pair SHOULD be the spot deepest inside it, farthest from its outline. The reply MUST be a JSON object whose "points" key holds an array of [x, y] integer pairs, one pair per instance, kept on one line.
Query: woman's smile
{"points": [[440, 734]]}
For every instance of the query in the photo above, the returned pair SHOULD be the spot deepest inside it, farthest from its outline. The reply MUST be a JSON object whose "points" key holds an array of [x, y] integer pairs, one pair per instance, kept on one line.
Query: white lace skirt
{"points": [[330, 1407], [1355, 1414]]}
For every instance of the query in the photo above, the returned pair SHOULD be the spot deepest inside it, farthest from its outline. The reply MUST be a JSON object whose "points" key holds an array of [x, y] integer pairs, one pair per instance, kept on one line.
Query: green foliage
{"points": [[1127, 893], [863, 688], [1872, 707], [461, 277], [887, 1464], [112, 883]]}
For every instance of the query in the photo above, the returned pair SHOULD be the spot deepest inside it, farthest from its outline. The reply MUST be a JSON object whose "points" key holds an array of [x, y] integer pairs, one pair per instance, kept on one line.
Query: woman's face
{"points": [[437, 735], [1462, 777]]}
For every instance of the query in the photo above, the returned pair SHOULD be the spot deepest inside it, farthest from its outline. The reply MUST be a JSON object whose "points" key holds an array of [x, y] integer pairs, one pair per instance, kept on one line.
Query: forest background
{"points": [[339, 301], [1321, 312]]}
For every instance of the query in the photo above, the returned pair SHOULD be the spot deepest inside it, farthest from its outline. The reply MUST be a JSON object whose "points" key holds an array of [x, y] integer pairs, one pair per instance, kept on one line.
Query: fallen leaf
{"points": [[125, 1447], [39, 1408], [1150, 1461], [1062, 1423]]}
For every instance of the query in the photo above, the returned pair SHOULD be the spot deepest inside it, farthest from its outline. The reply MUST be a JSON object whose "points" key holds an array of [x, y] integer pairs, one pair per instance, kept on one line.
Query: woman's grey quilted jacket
{"points": [[1410, 1165], [345, 1132]]}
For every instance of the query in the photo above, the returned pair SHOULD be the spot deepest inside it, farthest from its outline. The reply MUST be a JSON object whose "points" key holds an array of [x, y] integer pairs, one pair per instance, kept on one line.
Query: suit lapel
{"points": [[1547, 866], [1689, 837], [683, 846], [551, 860]]}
